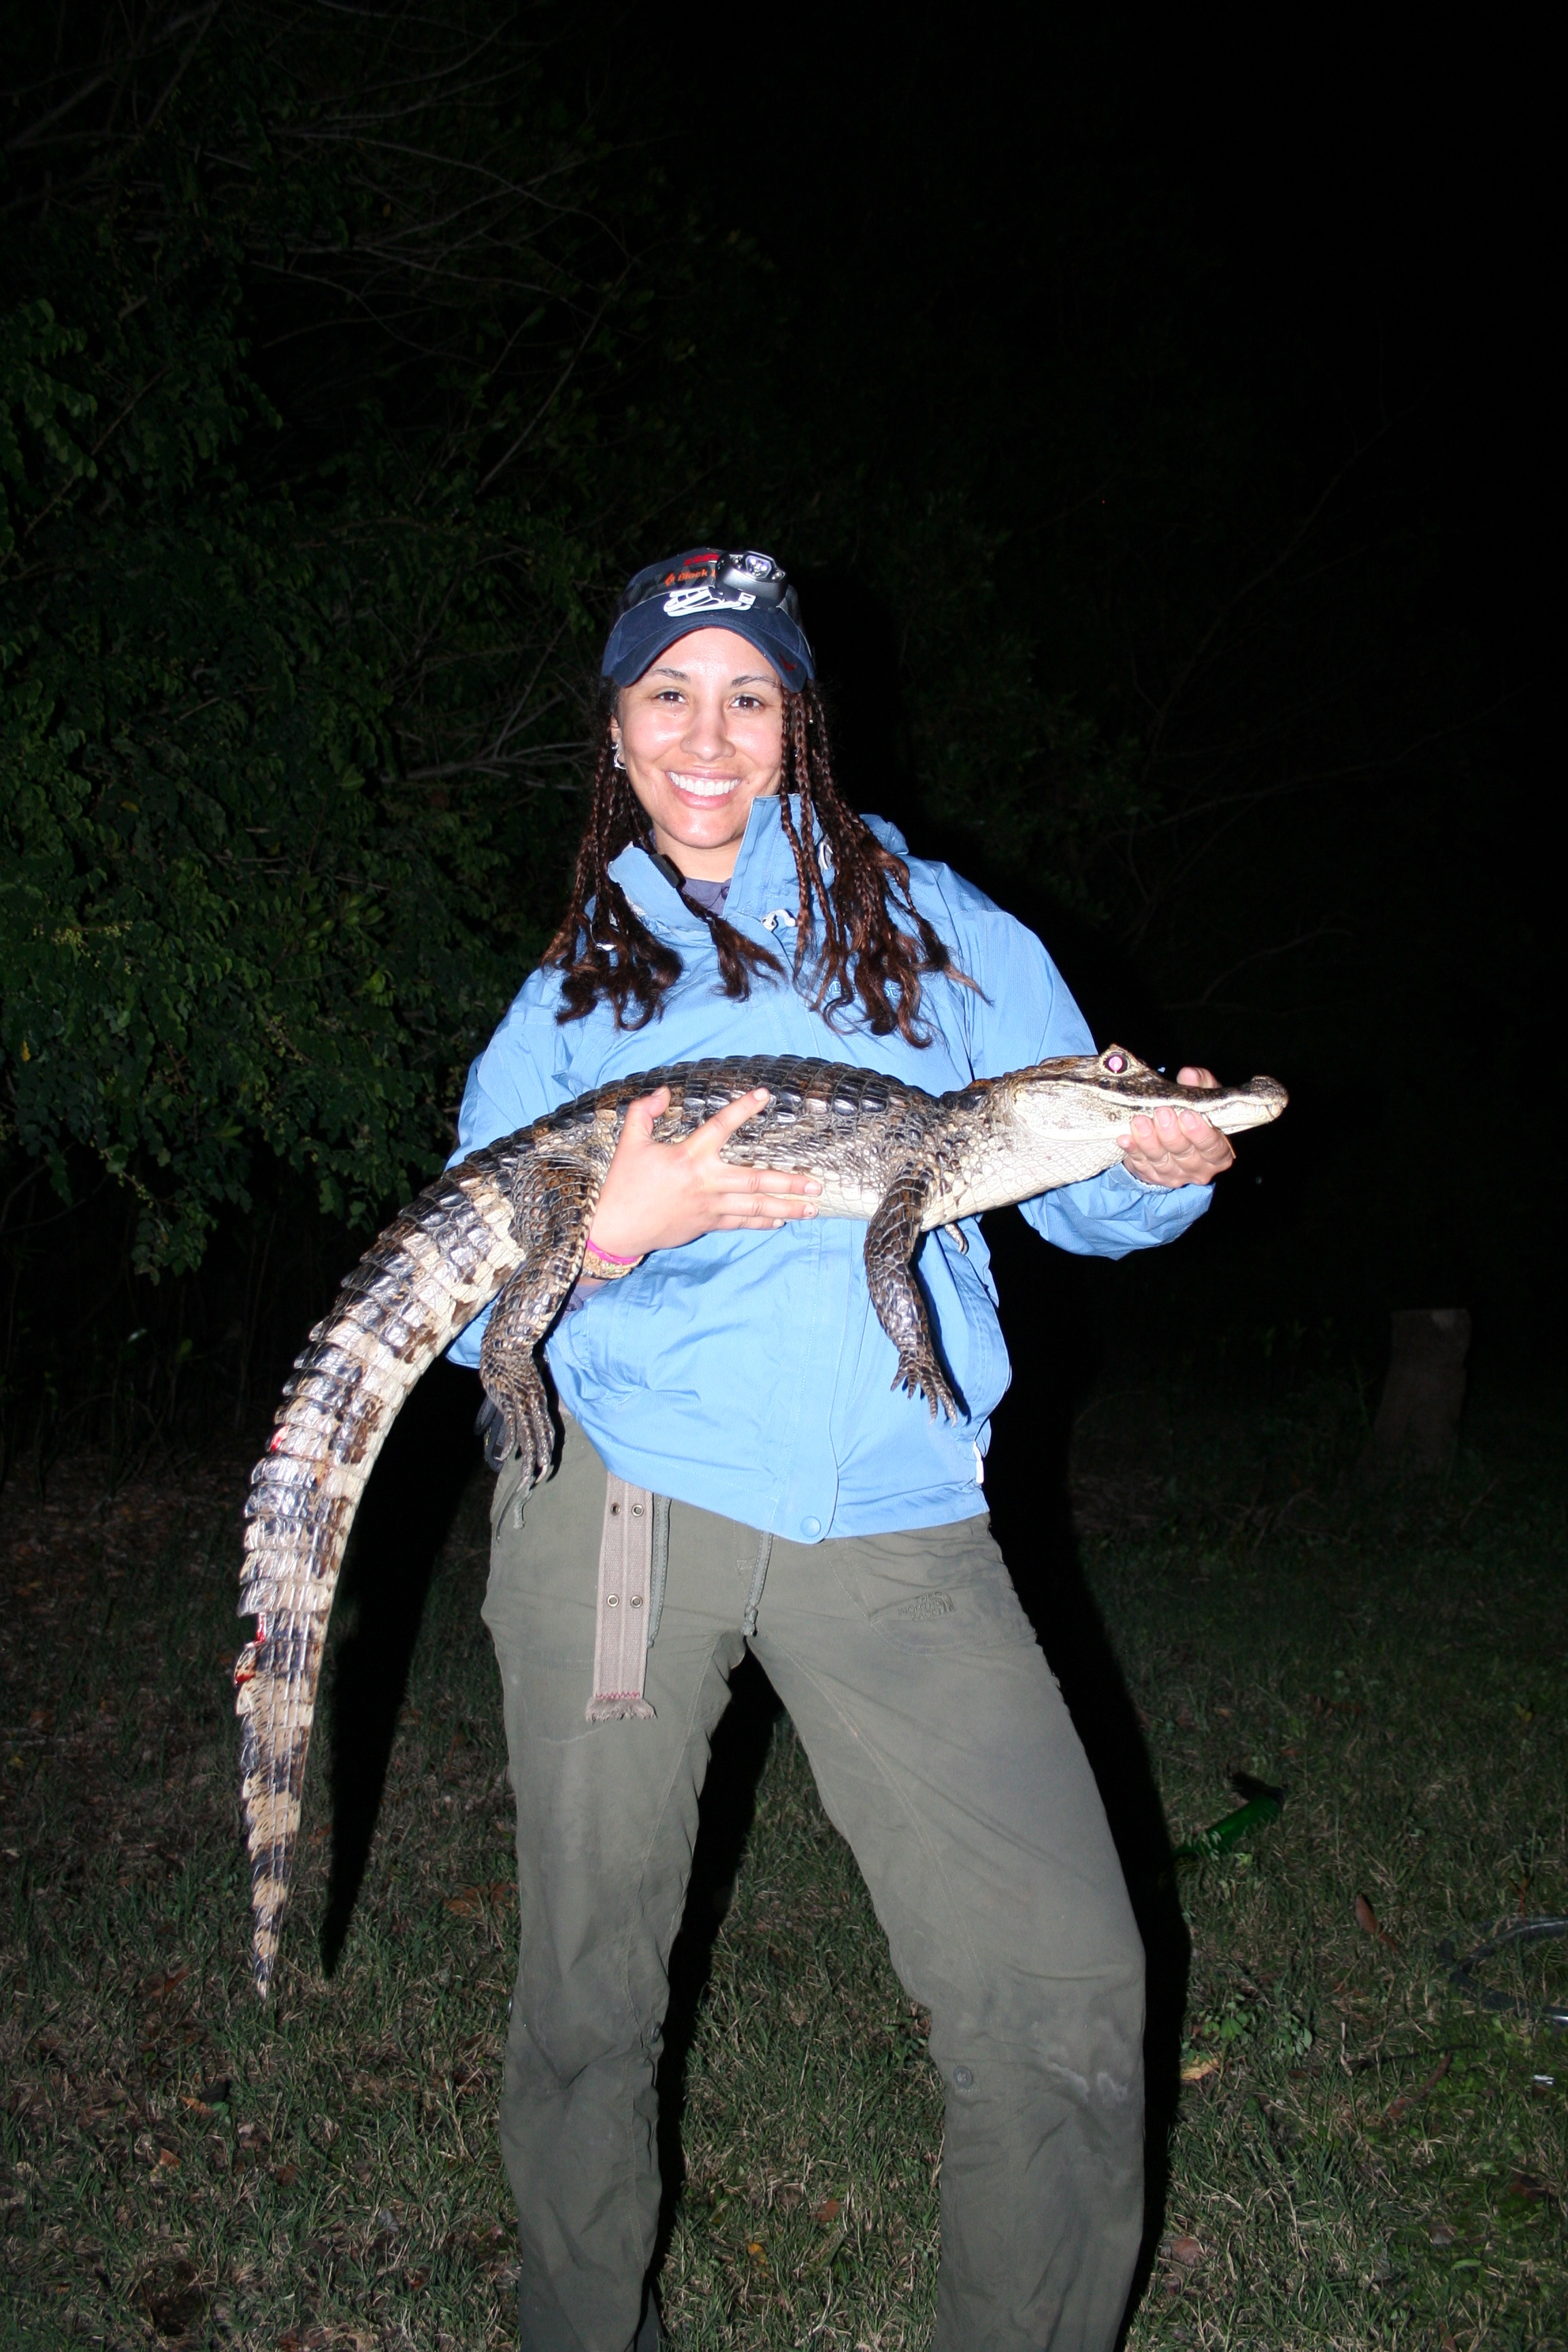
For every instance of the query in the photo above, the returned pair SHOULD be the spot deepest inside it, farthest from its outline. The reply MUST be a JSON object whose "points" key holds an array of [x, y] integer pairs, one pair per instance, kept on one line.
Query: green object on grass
{"points": [[1211, 1842]]}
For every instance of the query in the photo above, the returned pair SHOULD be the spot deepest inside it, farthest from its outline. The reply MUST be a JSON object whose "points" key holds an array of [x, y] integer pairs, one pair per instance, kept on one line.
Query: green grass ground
{"points": [[1362, 2155]]}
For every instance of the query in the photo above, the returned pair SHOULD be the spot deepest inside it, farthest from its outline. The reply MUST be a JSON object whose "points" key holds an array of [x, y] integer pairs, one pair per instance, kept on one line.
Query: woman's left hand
{"points": [[1170, 1147]]}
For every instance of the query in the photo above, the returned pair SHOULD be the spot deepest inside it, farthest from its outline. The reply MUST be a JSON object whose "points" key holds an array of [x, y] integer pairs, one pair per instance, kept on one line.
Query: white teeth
{"points": [[705, 788]]}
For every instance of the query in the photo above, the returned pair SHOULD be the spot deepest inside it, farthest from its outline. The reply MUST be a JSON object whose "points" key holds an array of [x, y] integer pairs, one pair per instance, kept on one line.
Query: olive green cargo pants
{"points": [[944, 1754]]}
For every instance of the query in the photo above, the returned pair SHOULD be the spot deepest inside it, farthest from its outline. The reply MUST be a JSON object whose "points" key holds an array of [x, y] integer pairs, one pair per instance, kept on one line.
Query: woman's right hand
{"points": [[657, 1195]]}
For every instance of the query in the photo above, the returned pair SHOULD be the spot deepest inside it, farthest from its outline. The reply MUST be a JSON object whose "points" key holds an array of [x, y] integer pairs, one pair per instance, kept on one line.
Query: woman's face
{"points": [[701, 734]]}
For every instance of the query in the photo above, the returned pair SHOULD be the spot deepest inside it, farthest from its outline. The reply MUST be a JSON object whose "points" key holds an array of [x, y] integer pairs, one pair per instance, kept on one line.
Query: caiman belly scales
{"points": [[510, 1225]]}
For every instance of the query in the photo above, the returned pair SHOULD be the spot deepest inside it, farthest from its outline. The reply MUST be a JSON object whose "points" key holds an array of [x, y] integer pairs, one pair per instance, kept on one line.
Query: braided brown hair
{"points": [[860, 951]]}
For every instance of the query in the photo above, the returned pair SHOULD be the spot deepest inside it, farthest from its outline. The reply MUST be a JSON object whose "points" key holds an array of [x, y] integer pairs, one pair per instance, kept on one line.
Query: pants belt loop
{"points": [[620, 1646], [759, 1578], [659, 1568]]}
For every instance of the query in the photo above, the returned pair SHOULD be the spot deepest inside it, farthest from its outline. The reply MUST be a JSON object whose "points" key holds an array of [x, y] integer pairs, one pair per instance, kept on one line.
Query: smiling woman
{"points": [[682, 787], [700, 738], [736, 1466]]}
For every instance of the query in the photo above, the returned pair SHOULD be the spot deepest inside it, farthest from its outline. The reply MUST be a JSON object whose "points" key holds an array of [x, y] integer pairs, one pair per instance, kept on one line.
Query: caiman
{"points": [[508, 1226]]}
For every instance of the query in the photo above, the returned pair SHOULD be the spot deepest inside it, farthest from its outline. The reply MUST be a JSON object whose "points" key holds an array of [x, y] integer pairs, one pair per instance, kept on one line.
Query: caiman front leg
{"points": [[553, 1206], [896, 1295]]}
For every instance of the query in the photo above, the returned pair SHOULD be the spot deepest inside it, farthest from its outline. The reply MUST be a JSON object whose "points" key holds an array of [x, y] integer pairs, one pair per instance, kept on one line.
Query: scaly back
{"points": [[427, 1275]]}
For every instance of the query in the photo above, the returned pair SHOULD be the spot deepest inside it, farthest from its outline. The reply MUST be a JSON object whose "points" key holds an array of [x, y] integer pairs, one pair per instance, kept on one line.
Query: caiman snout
{"points": [[1269, 1094], [1235, 1108], [1123, 1085]]}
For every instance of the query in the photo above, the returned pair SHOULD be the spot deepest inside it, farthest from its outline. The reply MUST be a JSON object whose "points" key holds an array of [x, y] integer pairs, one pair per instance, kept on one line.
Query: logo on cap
{"points": [[701, 598]]}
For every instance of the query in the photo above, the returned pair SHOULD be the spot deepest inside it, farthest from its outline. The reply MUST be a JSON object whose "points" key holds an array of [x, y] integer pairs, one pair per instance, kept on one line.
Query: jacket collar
{"points": [[763, 881]]}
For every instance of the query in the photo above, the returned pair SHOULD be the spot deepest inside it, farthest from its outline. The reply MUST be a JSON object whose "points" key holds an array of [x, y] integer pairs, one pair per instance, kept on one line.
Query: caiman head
{"points": [[1086, 1095]]}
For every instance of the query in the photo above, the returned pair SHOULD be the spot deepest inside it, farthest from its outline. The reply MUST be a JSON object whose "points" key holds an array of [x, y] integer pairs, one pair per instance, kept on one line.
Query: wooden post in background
{"points": [[1417, 1424]]}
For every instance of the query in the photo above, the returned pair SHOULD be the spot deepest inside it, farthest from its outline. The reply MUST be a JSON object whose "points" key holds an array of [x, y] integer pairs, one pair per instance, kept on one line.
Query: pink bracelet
{"points": [[609, 1255]]}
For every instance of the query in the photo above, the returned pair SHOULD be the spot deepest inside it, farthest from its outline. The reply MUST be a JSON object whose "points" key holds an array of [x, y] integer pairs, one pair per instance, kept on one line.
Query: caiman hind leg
{"points": [[890, 1242], [553, 1206]]}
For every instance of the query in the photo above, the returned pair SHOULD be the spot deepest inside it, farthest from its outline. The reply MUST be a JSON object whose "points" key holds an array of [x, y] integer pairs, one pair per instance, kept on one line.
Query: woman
{"points": [[722, 1352]]}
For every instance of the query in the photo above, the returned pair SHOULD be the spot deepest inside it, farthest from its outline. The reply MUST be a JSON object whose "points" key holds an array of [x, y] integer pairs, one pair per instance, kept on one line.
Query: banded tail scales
{"points": [[508, 1226]]}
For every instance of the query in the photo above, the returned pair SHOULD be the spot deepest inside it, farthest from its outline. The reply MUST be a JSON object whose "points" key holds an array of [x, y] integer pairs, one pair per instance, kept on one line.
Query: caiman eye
{"points": [[1115, 1064]]}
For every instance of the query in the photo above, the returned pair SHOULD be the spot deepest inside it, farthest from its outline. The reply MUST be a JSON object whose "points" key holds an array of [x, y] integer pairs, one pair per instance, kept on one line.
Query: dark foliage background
{"points": [[1155, 424]]}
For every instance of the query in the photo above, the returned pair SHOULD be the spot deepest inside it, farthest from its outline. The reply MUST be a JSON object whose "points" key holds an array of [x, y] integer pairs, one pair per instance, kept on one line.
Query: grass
{"points": [[1362, 2156]]}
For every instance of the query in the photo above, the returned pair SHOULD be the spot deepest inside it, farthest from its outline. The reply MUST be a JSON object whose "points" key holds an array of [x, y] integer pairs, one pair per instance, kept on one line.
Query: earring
{"points": [[617, 760]]}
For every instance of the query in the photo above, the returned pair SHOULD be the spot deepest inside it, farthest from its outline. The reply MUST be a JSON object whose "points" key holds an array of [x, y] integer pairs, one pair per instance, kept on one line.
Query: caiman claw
{"points": [[918, 1376], [519, 1419]]}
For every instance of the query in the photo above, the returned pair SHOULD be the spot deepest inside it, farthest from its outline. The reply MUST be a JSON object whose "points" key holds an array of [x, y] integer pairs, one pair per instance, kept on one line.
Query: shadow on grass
{"points": [[728, 1807], [1026, 1484], [403, 1520]]}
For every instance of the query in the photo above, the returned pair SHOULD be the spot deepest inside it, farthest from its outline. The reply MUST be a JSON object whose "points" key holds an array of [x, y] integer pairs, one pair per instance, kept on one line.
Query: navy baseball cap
{"points": [[709, 588]]}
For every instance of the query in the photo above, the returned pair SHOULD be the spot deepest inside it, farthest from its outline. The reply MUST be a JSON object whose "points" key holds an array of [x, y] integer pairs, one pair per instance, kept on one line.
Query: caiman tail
{"points": [[429, 1273]]}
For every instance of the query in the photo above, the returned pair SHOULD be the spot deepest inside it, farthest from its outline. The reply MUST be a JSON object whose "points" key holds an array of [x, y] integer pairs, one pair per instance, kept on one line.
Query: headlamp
{"points": [[735, 588], [736, 571]]}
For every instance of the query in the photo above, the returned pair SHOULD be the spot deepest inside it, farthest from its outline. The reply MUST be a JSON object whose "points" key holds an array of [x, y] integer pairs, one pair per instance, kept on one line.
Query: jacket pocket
{"points": [[611, 1341]]}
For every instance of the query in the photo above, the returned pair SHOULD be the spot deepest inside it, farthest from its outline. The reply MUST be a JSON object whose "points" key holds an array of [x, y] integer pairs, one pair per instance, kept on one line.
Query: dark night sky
{"points": [[1385, 217], [1369, 200], [1373, 198], [1366, 203]]}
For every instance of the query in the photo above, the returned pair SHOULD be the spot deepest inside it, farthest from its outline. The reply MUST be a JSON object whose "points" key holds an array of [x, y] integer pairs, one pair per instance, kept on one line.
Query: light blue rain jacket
{"points": [[747, 1372]]}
